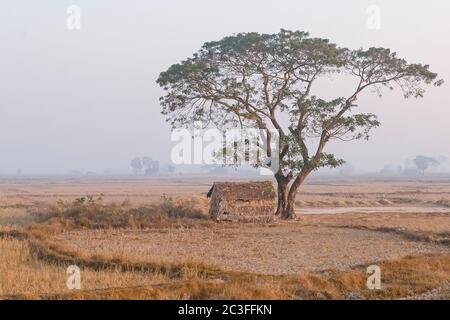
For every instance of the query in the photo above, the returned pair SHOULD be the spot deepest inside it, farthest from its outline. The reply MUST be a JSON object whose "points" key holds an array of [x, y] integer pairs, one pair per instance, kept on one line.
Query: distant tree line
{"points": [[417, 166], [145, 165]]}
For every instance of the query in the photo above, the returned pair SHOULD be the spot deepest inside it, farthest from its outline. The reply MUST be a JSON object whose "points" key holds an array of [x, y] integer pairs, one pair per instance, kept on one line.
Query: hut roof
{"points": [[258, 190]]}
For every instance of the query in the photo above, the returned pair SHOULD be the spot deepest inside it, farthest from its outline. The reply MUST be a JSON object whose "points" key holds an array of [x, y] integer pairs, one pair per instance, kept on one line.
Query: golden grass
{"points": [[14, 216], [36, 270], [92, 213], [33, 263], [413, 275], [22, 274]]}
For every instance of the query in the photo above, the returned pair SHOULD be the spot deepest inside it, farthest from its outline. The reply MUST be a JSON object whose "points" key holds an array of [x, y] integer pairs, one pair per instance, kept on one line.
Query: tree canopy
{"points": [[254, 80]]}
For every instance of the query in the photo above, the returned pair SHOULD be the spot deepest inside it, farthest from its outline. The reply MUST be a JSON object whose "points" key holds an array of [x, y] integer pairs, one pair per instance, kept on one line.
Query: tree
{"points": [[266, 81], [151, 166], [136, 165], [422, 163]]}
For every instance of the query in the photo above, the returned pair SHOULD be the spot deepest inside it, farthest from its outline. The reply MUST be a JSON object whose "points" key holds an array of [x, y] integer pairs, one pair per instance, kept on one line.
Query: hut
{"points": [[243, 202]]}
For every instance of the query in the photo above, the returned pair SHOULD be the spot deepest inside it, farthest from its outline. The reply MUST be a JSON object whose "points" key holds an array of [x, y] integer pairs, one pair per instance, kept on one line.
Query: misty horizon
{"points": [[87, 99]]}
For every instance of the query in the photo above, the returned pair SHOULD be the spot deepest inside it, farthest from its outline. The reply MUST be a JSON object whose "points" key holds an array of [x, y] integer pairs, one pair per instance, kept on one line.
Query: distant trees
{"points": [[151, 166], [146, 164], [136, 166], [417, 166], [422, 163]]}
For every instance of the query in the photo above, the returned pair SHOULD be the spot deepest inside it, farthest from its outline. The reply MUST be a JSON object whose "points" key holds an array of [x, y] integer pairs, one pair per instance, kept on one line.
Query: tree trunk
{"points": [[288, 210], [287, 195], [283, 193]]}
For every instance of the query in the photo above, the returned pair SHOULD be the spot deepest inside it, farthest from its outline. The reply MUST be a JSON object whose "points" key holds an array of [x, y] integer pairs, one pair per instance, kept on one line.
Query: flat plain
{"points": [[342, 226]]}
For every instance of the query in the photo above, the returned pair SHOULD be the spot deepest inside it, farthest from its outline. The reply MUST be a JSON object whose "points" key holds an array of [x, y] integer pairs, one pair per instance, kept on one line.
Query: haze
{"points": [[87, 99]]}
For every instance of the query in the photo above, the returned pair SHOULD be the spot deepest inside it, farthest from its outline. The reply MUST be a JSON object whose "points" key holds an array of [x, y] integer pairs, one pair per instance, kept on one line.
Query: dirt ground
{"points": [[341, 224], [280, 249]]}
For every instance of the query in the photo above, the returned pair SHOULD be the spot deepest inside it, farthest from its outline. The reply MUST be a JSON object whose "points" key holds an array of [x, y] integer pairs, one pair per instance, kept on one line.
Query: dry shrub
{"points": [[317, 287], [92, 213], [24, 276], [349, 280]]}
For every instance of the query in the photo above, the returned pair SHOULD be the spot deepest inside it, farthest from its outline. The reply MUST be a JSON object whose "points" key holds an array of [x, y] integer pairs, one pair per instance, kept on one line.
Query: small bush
{"points": [[181, 209]]}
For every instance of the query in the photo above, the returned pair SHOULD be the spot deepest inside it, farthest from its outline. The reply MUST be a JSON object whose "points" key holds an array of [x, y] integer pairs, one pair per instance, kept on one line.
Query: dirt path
{"points": [[368, 210]]}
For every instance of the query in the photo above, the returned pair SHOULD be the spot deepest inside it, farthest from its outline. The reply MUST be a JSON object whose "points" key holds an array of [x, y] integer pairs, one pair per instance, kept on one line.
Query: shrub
{"points": [[92, 213]]}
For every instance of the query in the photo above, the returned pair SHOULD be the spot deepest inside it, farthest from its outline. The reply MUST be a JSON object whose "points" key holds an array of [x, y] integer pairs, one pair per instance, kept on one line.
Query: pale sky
{"points": [[87, 99]]}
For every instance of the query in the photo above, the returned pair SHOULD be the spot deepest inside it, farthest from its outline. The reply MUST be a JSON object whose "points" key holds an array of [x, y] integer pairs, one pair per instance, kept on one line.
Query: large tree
{"points": [[266, 81], [422, 163]]}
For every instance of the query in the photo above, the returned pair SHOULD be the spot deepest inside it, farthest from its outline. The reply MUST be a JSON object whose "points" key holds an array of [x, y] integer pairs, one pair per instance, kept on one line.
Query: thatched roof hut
{"points": [[243, 201]]}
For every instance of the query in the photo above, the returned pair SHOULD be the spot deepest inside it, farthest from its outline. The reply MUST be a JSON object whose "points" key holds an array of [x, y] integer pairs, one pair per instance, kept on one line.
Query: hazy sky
{"points": [[87, 99]]}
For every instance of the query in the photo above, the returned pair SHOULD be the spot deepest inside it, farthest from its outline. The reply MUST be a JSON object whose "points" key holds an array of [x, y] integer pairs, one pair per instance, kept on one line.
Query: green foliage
{"points": [[252, 79], [379, 67]]}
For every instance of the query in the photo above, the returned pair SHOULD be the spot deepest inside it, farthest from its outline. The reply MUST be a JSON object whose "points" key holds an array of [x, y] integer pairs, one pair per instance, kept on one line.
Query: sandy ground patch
{"points": [[431, 222], [281, 249]]}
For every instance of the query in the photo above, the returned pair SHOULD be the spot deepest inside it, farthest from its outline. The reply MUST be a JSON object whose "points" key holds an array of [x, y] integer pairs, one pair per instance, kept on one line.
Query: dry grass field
{"points": [[152, 239]]}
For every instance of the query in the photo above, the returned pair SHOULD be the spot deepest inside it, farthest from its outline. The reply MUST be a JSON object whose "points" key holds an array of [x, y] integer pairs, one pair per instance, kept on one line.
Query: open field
{"points": [[281, 249], [319, 192], [403, 226]]}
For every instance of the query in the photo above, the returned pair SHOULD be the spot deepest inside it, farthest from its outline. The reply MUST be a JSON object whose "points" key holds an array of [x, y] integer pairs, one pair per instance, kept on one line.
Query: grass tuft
{"points": [[92, 213]]}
